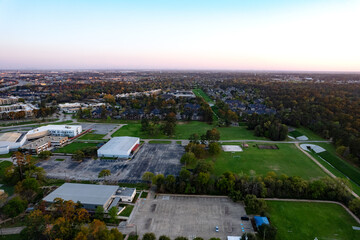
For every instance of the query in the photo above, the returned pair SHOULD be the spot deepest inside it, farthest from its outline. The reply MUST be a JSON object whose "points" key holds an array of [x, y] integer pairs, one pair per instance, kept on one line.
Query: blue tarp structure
{"points": [[261, 220]]}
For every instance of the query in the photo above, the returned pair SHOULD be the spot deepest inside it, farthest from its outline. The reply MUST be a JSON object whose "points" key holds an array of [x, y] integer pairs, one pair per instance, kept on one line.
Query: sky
{"points": [[287, 35]]}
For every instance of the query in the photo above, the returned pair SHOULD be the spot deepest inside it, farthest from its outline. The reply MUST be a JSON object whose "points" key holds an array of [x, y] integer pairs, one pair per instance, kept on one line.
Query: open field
{"points": [[303, 220], [185, 129], [92, 136], [74, 146], [190, 216], [286, 160], [199, 92]]}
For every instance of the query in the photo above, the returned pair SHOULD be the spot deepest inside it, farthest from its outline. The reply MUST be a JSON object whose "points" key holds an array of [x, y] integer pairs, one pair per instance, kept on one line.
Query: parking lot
{"points": [[190, 216], [156, 158], [98, 128]]}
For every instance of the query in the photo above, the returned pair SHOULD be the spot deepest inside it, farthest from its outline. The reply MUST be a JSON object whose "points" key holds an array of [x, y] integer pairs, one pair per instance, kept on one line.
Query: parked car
{"points": [[216, 229], [245, 218]]}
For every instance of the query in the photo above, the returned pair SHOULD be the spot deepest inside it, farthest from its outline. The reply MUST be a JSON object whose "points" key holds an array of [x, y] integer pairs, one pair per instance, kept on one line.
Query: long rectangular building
{"points": [[119, 147]]}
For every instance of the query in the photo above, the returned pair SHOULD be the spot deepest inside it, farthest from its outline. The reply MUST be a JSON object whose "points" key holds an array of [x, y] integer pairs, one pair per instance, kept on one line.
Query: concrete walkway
{"points": [[11, 231], [323, 168]]}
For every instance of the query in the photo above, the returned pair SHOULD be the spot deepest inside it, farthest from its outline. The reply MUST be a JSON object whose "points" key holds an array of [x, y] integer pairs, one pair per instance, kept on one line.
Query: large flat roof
{"points": [[54, 127], [118, 145], [10, 136], [85, 193]]}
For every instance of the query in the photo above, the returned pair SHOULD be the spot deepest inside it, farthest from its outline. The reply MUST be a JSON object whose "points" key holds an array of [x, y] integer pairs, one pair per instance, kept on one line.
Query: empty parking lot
{"points": [[156, 158], [190, 216]]}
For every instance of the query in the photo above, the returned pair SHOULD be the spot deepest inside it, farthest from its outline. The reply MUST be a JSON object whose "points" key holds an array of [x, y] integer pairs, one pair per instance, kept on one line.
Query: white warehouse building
{"points": [[119, 147], [55, 130], [11, 141]]}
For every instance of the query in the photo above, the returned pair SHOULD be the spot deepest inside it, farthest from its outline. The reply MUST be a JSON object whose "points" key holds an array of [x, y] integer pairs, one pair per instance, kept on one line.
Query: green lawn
{"points": [[3, 166], [73, 147], [286, 160], [301, 220], [127, 211], [305, 131], [338, 167], [138, 186], [185, 129], [92, 136], [144, 195], [6, 155], [201, 93], [59, 159]]}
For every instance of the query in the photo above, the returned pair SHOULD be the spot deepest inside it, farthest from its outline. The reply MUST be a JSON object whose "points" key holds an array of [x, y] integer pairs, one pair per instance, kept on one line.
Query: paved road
{"points": [[323, 168], [316, 201], [108, 135]]}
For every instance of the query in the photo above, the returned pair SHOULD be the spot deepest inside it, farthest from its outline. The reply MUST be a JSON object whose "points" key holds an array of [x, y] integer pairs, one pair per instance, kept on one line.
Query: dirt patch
{"points": [[267, 146]]}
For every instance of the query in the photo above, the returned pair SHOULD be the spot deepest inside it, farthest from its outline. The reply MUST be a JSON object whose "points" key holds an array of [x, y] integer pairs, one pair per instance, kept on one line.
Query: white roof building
{"points": [[11, 140], [55, 130], [119, 147], [91, 195]]}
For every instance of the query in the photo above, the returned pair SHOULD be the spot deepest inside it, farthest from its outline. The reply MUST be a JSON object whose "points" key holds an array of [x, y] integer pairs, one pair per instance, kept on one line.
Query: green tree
{"points": [[14, 207], [188, 159], [181, 238], [44, 155], [149, 236], [214, 148], [170, 184], [254, 205], [212, 135], [163, 237], [78, 155], [354, 206], [267, 232], [104, 173], [148, 177], [99, 213], [113, 212]]}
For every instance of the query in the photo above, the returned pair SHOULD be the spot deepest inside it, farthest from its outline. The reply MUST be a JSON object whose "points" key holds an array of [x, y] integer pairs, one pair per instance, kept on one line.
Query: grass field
{"points": [[185, 129], [127, 211], [6, 155], [301, 220], [305, 131], [144, 195], [92, 136], [201, 93], [286, 160], [338, 167], [73, 147]]}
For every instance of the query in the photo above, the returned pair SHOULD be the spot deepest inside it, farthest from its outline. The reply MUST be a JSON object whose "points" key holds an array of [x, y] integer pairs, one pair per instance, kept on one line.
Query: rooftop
{"points": [[118, 145], [10, 137], [85, 193], [54, 127]]}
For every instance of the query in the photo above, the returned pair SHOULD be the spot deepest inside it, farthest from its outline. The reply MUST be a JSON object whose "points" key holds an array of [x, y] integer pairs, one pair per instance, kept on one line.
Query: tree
{"points": [[104, 173], [97, 230], [214, 148], [109, 98], [113, 212], [163, 237], [99, 213], [354, 206], [170, 184], [28, 188], [15, 206], [254, 205], [78, 155], [212, 135], [44, 155], [188, 159], [149, 236], [267, 232], [159, 180], [181, 238], [148, 177], [248, 236]]}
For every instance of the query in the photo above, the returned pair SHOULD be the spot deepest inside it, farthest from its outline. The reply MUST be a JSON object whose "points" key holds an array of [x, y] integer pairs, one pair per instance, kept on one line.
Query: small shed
{"points": [[261, 220]]}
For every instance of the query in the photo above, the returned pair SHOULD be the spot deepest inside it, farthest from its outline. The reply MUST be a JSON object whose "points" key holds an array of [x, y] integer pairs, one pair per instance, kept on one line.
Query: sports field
{"points": [[305, 220], [185, 129], [73, 147], [286, 160]]}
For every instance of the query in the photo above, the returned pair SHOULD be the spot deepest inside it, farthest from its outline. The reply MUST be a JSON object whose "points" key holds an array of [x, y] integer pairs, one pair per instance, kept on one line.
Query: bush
{"points": [[267, 232], [44, 155], [149, 236], [163, 237], [15, 206]]}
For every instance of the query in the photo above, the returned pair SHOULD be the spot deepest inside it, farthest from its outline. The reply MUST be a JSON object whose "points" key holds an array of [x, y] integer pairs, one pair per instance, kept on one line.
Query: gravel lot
{"points": [[190, 216], [156, 158]]}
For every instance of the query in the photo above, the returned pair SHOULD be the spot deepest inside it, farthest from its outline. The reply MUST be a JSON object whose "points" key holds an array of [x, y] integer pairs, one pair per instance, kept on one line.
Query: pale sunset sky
{"points": [[302, 35]]}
